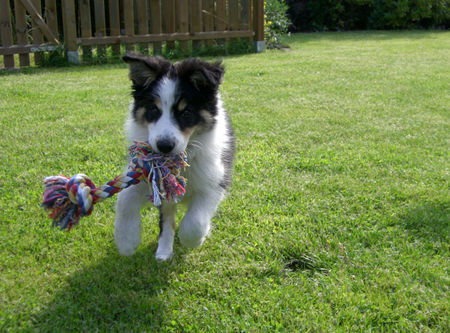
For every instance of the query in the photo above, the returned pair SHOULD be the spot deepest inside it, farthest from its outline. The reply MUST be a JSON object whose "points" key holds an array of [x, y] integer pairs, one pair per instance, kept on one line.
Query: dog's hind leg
{"points": [[196, 223], [127, 226], [167, 213]]}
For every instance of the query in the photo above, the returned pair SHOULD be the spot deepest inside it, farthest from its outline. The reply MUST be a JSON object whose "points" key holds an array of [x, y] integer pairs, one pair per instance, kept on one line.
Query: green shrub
{"points": [[276, 22], [404, 14]]}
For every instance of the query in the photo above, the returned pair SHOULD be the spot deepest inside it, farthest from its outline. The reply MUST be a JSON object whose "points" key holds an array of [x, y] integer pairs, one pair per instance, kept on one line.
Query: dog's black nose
{"points": [[165, 146]]}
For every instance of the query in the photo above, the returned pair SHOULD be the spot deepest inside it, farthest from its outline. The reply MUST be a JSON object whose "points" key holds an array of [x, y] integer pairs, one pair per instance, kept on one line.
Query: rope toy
{"points": [[69, 199]]}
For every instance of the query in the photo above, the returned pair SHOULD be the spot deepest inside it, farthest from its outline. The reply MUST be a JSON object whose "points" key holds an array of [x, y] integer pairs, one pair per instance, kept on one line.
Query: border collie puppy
{"points": [[177, 108]]}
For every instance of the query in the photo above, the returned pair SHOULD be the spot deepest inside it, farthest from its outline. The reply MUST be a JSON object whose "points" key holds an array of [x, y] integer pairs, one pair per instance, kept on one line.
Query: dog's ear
{"points": [[202, 74], [144, 70]]}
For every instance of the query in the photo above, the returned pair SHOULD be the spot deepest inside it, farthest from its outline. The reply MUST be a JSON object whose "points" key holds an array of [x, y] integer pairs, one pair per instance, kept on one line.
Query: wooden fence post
{"points": [[258, 25], [70, 31], [6, 32], [84, 10], [21, 31]]}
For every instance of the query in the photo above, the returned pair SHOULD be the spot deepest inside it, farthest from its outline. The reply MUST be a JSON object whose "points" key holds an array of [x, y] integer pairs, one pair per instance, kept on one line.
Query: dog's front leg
{"points": [[196, 223], [127, 227], [167, 213]]}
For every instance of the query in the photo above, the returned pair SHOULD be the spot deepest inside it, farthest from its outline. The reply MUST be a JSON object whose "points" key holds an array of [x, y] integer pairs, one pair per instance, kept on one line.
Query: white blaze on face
{"points": [[165, 128]]}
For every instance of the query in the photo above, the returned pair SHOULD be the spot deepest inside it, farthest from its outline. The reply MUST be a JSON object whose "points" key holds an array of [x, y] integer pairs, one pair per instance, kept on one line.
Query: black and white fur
{"points": [[177, 107]]}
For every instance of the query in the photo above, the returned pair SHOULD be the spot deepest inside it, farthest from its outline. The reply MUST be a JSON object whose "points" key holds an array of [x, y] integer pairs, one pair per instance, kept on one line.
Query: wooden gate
{"points": [[116, 26]]}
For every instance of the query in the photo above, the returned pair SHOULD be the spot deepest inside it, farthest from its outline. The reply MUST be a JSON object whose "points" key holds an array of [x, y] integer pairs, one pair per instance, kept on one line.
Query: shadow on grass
{"points": [[117, 293], [63, 69], [429, 220]]}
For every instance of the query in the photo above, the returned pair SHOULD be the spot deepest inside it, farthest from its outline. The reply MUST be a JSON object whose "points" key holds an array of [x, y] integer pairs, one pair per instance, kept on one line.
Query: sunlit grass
{"points": [[337, 219]]}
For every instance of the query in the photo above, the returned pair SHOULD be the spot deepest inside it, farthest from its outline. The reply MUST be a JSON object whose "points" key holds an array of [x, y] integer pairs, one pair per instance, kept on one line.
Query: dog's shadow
{"points": [[115, 293]]}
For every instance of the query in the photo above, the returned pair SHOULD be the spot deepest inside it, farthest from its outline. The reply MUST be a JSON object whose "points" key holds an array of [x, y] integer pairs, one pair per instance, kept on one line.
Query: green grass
{"points": [[338, 218]]}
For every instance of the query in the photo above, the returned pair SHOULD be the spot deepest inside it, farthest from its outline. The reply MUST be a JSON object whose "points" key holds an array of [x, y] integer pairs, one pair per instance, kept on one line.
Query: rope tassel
{"points": [[69, 199]]}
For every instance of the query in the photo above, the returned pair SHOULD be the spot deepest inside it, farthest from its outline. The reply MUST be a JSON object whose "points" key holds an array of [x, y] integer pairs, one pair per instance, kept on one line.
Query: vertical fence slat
{"points": [[156, 23], [221, 15], [196, 21], [208, 17], [6, 31], [51, 16], [36, 32], [86, 27], [169, 16], [128, 12], [221, 18], [142, 14], [245, 15], [245, 18], [114, 24], [100, 27], [233, 17], [21, 31], [70, 30], [183, 21], [234, 14]]}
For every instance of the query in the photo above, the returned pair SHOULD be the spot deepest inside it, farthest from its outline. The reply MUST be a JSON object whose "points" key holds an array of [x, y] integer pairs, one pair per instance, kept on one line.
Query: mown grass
{"points": [[338, 218]]}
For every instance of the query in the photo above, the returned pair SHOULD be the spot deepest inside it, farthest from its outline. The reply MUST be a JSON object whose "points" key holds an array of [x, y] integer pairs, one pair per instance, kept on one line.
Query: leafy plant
{"points": [[276, 22]]}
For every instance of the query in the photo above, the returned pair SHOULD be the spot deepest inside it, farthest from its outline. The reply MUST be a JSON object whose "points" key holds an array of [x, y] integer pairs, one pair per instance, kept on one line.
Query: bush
{"points": [[322, 15], [276, 22]]}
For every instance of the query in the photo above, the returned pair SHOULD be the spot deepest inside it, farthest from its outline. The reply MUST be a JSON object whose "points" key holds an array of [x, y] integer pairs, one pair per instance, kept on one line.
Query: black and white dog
{"points": [[176, 108]]}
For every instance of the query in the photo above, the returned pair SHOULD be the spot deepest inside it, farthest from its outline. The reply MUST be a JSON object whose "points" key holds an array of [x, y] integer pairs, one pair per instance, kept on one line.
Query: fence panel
{"points": [[98, 23]]}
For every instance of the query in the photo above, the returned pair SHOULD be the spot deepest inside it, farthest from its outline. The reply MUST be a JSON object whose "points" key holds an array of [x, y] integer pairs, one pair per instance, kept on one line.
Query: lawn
{"points": [[337, 220]]}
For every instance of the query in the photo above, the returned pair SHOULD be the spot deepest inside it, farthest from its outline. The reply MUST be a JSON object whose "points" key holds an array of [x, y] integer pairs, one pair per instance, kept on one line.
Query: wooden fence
{"points": [[31, 27]]}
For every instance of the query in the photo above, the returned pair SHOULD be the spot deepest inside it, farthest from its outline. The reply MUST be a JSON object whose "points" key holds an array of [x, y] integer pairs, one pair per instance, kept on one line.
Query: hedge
{"points": [[323, 15]]}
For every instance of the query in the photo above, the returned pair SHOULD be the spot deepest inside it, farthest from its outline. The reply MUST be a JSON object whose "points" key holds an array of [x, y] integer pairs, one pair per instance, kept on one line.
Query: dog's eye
{"points": [[152, 113], [186, 113]]}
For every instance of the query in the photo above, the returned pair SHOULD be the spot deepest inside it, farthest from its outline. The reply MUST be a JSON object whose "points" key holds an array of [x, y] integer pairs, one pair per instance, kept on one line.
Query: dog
{"points": [[177, 107]]}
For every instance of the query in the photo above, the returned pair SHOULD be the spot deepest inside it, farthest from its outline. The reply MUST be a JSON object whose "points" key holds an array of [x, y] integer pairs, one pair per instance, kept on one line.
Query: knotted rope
{"points": [[69, 199]]}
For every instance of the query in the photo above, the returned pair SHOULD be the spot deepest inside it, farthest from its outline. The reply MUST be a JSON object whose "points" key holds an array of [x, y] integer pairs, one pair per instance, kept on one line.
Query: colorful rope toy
{"points": [[69, 199]]}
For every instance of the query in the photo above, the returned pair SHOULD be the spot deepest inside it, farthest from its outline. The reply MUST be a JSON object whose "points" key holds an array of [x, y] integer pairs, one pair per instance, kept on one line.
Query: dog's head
{"points": [[173, 101]]}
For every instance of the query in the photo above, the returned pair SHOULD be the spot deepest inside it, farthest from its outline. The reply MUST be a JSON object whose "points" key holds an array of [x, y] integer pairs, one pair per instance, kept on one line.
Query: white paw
{"points": [[126, 250], [192, 234], [127, 238], [128, 247], [163, 256]]}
